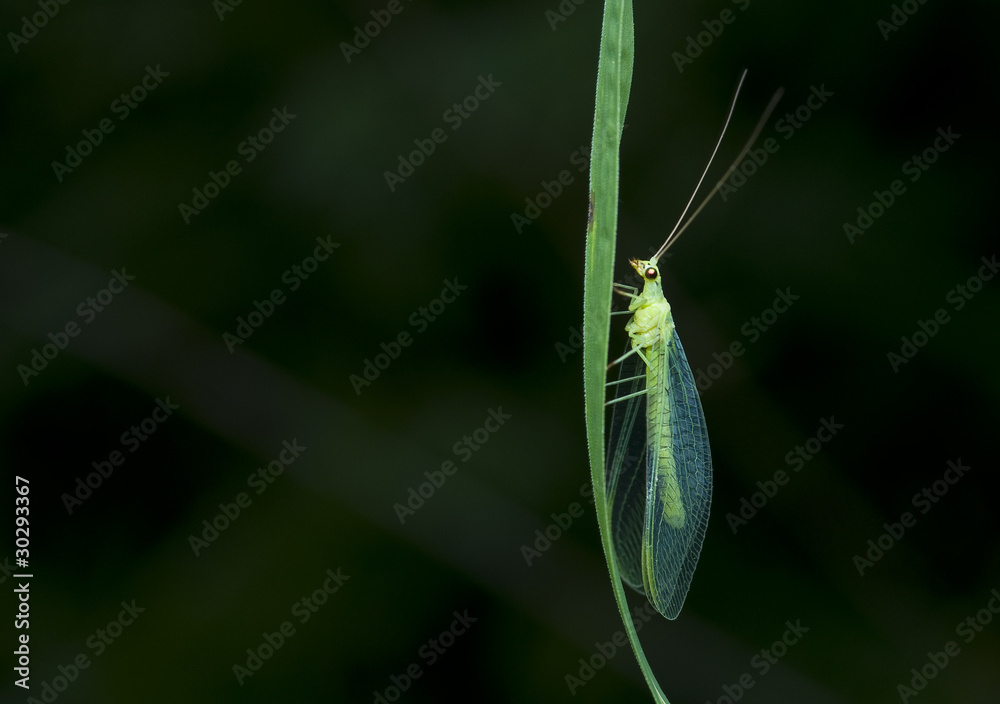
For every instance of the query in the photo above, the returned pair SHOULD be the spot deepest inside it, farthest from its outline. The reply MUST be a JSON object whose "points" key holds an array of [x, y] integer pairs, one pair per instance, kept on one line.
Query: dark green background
{"points": [[497, 346]]}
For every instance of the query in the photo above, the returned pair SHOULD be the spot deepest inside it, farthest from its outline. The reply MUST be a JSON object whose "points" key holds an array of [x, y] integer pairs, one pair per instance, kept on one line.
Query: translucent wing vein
{"points": [[626, 470], [678, 479]]}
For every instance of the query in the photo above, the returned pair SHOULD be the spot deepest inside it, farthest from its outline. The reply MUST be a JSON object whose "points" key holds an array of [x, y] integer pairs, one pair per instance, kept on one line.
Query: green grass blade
{"points": [[614, 79]]}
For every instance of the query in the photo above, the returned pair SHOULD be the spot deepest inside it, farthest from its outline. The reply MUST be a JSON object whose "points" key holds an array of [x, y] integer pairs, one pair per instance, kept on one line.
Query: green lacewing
{"points": [[659, 463]]}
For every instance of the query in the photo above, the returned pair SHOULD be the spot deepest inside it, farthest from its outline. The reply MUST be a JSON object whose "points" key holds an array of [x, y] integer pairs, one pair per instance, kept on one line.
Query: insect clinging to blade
{"points": [[659, 465]]}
